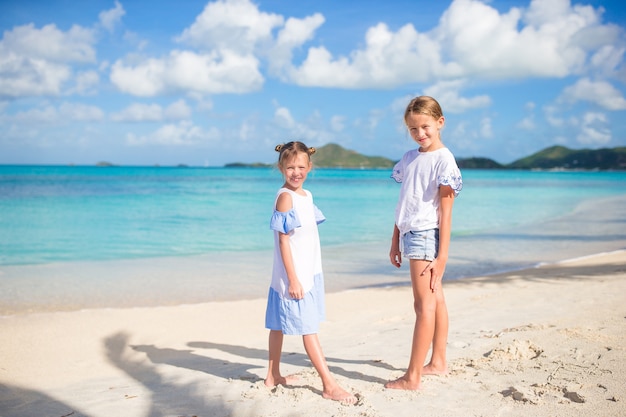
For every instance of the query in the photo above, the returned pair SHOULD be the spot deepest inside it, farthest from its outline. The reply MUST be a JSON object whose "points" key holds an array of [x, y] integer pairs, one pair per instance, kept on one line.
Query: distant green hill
{"points": [[478, 163], [332, 156], [560, 157], [554, 157], [335, 156]]}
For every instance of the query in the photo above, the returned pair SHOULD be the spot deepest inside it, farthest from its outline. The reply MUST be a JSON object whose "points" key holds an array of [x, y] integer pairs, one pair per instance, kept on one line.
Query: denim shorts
{"points": [[423, 245]]}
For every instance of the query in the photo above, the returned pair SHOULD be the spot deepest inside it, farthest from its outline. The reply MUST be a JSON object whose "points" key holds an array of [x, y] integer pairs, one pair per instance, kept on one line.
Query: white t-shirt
{"points": [[421, 175]]}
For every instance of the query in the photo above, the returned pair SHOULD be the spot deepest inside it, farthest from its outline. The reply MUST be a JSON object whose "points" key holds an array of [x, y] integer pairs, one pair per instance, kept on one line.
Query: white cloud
{"points": [[594, 129], [542, 41], [447, 94], [187, 71], [65, 113], [293, 35], [110, 18], [338, 123], [371, 122], [486, 130], [177, 110], [388, 60], [21, 76], [85, 83], [80, 112], [607, 59], [140, 112], [552, 116], [50, 44], [465, 132], [35, 62], [247, 131], [528, 122], [184, 133], [460, 135], [550, 39], [283, 118], [311, 131], [236, 25], [231, 37], [599, 92]]}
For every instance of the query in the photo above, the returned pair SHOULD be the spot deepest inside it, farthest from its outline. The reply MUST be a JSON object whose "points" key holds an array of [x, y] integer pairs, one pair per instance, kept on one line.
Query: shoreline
{"points": [[380, 278], [545, 341], [167, 281]]}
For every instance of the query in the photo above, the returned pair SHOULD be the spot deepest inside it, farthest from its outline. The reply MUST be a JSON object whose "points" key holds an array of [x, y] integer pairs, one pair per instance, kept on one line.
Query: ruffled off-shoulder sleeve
{"points": [[319, 216], [284, 222]]}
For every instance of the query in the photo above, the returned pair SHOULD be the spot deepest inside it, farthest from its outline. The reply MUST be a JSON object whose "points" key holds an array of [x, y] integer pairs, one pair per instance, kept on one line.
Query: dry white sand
{"points": [[548, 341]]}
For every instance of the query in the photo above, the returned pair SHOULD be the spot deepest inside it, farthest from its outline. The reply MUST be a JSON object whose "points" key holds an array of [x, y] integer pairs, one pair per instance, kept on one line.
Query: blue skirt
{"points": [[297, 317]]}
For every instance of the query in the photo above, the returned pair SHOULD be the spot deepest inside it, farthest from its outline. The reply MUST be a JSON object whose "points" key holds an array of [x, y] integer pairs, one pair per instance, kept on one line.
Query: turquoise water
{"points": [[85, 237], [50, 214]]}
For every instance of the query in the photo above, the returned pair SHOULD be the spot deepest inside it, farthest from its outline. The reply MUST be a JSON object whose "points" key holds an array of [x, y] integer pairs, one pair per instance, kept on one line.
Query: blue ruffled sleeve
{"points": [[398, 172], [284, 222], [449, 174], [453, 180], [319, 216]]}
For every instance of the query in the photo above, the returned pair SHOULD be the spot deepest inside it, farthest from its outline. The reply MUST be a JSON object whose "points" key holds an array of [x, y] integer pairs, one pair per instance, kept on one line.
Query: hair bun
{"points": [[278, 147], [312, 150]]}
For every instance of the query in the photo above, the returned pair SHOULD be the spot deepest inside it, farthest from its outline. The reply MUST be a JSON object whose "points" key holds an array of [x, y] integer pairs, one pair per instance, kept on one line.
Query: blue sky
{"points": [[207, 83]]}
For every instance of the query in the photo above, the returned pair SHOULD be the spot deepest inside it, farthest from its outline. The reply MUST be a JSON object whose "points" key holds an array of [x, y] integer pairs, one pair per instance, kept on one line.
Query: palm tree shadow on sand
{"points": [[300, 359], [21, 402], [167, 398], [174, 399]]}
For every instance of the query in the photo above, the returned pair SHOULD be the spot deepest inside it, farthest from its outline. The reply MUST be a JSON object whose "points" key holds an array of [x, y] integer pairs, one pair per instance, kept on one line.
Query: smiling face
{"points": [[296, 170], [425, 131]]}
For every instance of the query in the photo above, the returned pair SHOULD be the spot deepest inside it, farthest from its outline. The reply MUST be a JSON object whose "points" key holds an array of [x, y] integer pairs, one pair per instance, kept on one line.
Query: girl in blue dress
{"points": [[295, 304]]}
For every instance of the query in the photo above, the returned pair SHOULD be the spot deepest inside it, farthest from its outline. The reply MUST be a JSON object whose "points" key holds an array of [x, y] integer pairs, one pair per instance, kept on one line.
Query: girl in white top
{"points": [[430, 181], [295, 304]]}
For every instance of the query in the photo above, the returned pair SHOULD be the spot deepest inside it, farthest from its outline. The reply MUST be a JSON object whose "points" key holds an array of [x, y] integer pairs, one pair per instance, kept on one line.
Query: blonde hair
{"points": [[424, 105], [289, 150]]}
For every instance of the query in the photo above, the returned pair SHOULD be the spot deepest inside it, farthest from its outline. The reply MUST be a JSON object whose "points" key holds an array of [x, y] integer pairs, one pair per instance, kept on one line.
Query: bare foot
{"points": [[280, 380], [430, 369], [403, 383], [341, 395]]}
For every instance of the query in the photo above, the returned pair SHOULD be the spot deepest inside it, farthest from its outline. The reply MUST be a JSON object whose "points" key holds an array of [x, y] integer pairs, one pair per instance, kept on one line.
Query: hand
{"points": [[436, 270], [395, 256], [295, 290]]}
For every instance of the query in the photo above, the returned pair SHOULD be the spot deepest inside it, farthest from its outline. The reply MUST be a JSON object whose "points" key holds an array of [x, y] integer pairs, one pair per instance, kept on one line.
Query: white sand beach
{"points": [[548, 341]]}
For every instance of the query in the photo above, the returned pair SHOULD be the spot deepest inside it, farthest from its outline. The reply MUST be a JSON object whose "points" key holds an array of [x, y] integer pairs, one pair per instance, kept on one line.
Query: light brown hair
{"points": [[289, 150], [424, 105]]}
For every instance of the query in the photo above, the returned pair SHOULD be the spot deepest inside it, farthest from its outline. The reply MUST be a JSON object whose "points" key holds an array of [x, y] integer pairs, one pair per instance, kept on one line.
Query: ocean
{"points": [[78, 237]]}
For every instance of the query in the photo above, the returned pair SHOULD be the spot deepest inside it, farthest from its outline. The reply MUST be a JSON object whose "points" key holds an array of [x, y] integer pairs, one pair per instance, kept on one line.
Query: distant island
{"points": [[552, 158], [560, 157], [335, 156], [104, 164]]}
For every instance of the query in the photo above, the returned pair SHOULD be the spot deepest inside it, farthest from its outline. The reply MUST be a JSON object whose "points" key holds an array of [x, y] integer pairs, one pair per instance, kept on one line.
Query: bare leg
{"points": [[425, 304], [273, 371], [438, 364], [331, 389]]}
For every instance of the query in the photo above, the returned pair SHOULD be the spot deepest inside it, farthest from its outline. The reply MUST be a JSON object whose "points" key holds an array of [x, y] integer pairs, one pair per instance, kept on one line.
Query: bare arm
{"points": [[284, 204], [394, 253]]}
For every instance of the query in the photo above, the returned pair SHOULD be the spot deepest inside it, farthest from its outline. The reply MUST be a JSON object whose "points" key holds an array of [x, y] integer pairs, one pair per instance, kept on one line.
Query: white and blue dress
{"points": [[291, 316]]}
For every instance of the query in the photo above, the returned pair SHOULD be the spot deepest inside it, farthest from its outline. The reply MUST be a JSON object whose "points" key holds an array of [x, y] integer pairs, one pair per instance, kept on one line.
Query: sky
{"points": [[206, 83]]}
